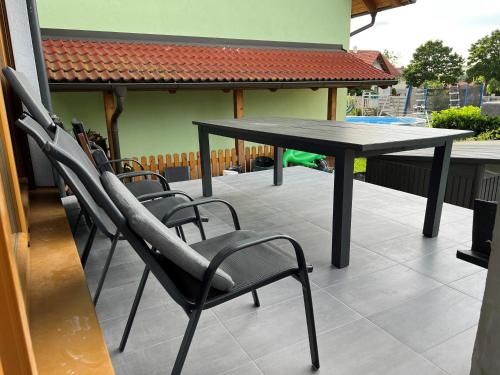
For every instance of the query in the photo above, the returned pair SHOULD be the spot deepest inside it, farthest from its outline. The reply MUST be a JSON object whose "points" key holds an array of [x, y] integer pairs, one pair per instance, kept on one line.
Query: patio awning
{"points": [[99, 60]]}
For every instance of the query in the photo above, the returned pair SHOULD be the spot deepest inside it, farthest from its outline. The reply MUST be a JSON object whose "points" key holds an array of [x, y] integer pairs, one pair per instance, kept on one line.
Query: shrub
{"points": [[465, 118], [490, 135], [355, 112]]}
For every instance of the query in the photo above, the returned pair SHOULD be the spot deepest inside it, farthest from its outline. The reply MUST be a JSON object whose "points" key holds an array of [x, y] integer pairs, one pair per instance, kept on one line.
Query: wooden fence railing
{"points": [[220, 160]]}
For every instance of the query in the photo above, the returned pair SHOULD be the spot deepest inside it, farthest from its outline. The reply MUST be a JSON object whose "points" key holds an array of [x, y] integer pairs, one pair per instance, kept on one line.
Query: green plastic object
{"points": [[306, 159]]}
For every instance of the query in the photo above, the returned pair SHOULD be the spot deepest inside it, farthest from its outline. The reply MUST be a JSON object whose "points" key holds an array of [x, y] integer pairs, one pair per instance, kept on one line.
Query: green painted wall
{"points": [[159, 122]]}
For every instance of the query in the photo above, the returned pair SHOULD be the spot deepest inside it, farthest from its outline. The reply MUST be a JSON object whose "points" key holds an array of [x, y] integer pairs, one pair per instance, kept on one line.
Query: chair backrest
{"points": [[83, 178], [79, 128], [24, 90], [95, 152], [101, 160], [154, 261], [67, 143], [176, 174], [42, 129], [163, 239]]}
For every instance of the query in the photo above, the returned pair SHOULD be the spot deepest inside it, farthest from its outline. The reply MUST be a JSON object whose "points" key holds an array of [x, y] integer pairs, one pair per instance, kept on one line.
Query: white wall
{"points": [[17, 15]]}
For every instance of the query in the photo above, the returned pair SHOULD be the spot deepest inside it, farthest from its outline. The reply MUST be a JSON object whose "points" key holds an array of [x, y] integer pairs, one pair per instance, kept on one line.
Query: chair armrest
{"points": [[162, 194], [162, 179], [125, 159], [170, 193], [244, 244], [200, 202]]}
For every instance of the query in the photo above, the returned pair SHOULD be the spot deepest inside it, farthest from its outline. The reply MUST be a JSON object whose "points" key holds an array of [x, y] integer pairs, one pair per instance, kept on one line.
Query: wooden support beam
{"points": [[371, 5], [332, 104], [109, 109], [331, 115], [238, 108]]}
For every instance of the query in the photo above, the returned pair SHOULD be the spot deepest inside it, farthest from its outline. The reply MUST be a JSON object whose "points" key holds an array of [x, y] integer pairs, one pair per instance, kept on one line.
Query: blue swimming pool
{"points": [[387, 120]]}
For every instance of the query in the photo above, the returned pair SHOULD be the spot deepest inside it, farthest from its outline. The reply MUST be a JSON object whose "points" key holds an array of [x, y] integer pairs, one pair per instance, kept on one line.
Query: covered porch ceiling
{"points": [[363, 7]]}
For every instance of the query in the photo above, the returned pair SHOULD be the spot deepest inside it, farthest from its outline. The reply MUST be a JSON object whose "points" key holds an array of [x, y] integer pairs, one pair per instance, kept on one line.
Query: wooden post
{"points": [[247, 158], [109, 109], [332, 104], [161, 164], [331, 115], [239, 113]]}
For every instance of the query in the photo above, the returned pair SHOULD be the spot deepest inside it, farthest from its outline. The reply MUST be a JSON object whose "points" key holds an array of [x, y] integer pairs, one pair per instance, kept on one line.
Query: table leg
{"points": [[342, 208], [206, 173], [278, 166], [437, 189]]}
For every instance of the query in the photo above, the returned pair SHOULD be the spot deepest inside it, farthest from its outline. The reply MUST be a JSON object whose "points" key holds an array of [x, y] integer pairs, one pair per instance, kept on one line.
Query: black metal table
{"points": [[345, 141]]}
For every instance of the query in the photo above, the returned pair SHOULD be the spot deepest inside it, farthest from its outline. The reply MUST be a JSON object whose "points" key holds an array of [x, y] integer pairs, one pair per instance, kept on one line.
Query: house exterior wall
{"points": [[24, 59], [160, 122]]}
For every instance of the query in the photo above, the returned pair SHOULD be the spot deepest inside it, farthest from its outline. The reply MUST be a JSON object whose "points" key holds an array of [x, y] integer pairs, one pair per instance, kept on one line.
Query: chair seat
{"points": [[250, 265], [143, 187], [160, 207]]}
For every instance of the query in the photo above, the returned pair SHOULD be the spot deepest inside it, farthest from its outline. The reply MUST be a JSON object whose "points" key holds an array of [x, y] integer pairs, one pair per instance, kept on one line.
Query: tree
{"points": [[433, 61], [484, 58], [493, 87], [392, 56]]}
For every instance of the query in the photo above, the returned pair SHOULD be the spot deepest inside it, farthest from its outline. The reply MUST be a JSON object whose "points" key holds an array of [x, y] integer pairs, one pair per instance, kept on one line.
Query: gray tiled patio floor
{"points": [[405, 305]]}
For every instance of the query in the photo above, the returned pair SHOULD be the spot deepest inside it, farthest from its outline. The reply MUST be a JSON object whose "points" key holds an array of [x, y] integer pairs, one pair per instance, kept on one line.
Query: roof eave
{"points": [[381, 9], [152, 86]]}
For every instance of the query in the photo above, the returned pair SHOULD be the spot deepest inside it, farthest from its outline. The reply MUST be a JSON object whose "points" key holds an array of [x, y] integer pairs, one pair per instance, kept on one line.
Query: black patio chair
{"points": [[175, 174], [100, 219], [157, 200], [23, 90], [143, 185], [483, 223], [202, 275]]}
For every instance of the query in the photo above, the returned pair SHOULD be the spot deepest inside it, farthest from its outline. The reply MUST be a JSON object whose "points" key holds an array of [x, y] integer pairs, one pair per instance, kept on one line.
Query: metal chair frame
{"points": [[28, 124], [204, 299]]}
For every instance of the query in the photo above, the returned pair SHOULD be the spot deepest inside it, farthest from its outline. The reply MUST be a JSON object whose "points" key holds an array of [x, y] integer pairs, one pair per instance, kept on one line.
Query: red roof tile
{"points": [[71, 60], [370, 57]]}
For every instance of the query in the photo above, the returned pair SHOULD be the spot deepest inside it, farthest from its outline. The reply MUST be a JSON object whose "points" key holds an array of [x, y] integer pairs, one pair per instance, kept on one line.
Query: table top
{"points": [[487, 152], [293, 132]]}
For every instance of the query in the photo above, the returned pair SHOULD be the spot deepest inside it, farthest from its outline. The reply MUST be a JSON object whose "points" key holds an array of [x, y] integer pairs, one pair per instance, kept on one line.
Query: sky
{"points": [[458, 23]]}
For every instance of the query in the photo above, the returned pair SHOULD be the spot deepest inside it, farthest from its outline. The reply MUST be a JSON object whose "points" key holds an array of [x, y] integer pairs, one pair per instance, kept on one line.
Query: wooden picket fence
{"points": [[220, 160]]}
